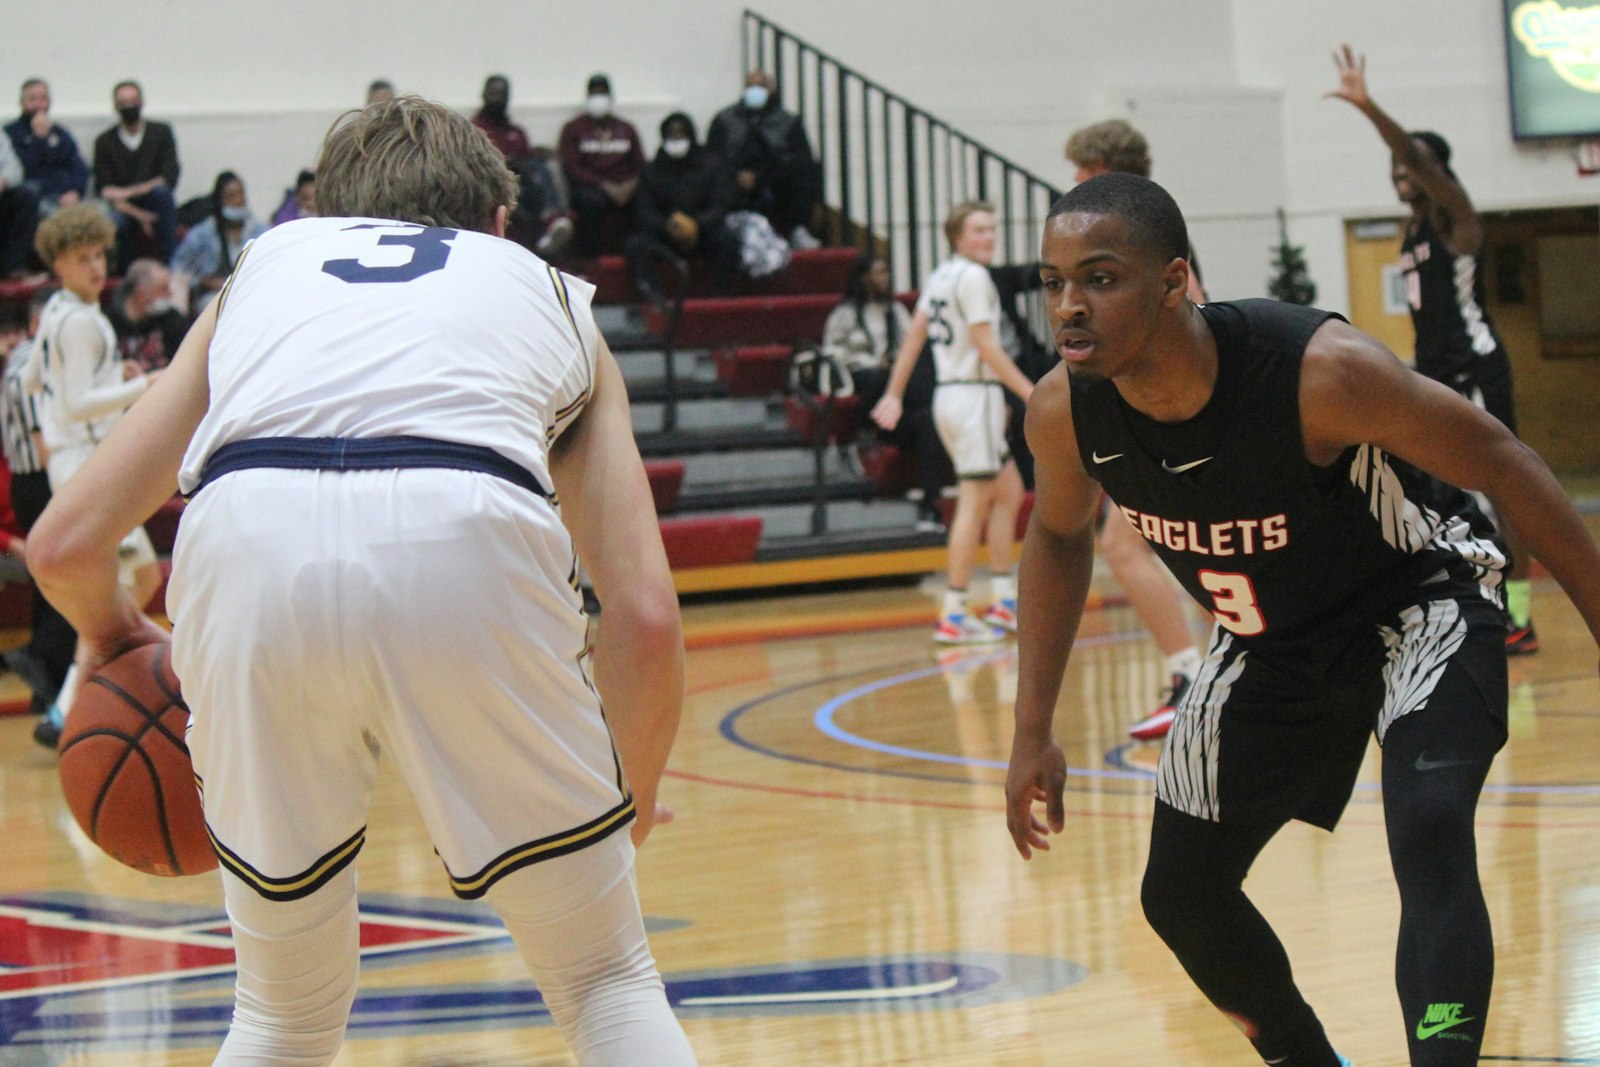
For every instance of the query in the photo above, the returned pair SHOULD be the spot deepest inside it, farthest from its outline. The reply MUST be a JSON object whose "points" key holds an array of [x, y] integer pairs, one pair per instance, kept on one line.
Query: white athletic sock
{"points": [[1186, 663], [1003, 586], [955, 602]]}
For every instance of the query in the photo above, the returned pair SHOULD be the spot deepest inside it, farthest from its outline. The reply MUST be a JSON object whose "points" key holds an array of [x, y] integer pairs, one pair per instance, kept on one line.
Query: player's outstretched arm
{"points": [[606, 504], [886, 412], [1053, 583], [1354, 391], [1466, 231], [72, 551]]}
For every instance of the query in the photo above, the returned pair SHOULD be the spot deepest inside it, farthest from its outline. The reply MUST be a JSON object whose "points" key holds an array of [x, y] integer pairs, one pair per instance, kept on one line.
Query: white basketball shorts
{"points": [[432, 615]]}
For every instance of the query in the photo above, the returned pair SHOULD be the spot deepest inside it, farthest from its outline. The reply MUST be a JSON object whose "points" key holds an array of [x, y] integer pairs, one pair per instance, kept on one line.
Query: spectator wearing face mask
{"points": [[300, 202], [602, 158], [679, 212], [540, 219], [211, 250], [149, 327], [136, 171], [769, 157]]}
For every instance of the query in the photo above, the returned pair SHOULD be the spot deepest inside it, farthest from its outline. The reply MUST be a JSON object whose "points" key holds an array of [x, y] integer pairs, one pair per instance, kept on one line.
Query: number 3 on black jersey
{"points": [[430, 249]]}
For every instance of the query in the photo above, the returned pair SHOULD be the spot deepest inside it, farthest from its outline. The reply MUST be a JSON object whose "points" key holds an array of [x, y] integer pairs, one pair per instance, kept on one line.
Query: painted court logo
{"points": [[1439, 1019], [86, 973], [1568, 37]]}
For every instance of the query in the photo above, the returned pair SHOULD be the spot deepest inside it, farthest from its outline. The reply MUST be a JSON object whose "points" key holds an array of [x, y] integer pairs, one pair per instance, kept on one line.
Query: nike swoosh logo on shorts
{"points": [[1098, 458], [1426, 764], [1180, 468]]}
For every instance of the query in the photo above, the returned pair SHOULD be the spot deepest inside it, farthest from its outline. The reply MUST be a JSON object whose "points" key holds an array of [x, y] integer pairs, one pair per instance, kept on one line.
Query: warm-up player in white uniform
{"points": [[958, 312], [376, 419]]}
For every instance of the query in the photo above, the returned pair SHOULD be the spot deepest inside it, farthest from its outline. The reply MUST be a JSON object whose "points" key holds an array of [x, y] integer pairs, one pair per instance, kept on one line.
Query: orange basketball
{"points": [[125, 768]]}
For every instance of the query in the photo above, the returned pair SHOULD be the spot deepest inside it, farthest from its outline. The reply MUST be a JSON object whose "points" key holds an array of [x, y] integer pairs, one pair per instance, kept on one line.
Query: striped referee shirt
{"points": [[19, 417]]}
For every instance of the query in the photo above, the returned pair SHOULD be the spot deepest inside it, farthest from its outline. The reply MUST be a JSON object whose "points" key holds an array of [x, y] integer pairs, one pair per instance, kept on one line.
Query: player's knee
{"points": [[1173, 904], [1431, 842]]}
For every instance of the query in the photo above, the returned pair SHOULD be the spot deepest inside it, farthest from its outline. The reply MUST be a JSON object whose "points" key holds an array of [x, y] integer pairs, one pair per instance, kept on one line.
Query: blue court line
{"points": [[824, 719]]}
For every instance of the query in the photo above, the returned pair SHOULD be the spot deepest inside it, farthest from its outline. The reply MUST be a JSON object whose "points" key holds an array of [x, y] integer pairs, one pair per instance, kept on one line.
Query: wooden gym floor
{"points": [[839, 887]]}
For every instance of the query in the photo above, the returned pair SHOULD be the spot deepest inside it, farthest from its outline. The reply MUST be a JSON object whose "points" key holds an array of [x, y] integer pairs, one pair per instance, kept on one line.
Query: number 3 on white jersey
{"points": [[1235, 598]]}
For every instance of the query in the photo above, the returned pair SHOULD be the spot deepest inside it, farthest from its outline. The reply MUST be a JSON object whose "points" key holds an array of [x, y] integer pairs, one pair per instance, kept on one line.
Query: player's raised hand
{"points": [[1352, 77], [1038, 772]]}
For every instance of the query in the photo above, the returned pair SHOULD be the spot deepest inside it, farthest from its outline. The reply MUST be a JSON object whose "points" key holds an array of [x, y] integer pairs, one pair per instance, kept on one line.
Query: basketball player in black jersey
{"points": [[1293, 475], [1456, 342]]}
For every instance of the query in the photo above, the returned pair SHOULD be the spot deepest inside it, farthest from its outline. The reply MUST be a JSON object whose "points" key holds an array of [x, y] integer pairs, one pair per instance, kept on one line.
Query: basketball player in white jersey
{"points": [[958, 311], [77, 371], [399, 430]]}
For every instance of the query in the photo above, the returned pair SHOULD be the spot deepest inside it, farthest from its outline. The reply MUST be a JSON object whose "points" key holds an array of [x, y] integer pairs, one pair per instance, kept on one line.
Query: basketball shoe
{"points": [[1155, 726], [965, 630], [1521, 640], [1002, 613]]}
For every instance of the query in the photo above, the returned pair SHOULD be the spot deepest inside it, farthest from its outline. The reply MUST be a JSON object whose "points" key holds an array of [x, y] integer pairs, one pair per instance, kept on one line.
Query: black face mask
{"points": [[497, 112], [130, 115]]}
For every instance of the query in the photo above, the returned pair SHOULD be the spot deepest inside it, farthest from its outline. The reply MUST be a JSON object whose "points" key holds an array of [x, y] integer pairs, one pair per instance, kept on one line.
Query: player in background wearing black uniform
{"points": [[1456, 342], [1292, 474]]}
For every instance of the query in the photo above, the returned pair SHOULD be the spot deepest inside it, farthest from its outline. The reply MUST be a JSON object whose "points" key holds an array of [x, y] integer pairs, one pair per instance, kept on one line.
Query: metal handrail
{"points": [[886, 204]]}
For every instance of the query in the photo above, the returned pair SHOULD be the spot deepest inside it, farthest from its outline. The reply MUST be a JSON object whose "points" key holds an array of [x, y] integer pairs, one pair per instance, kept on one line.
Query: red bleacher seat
{"points": [[163, 525], [845, 417], [891, 470], [666, 482], [820, 270], [711, 540], [754, 370], [750, 319]]}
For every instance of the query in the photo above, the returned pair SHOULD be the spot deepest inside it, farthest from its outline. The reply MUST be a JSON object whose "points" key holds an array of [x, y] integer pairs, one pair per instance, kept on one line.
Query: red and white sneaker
{"points": [[965, 630], [1521, 640], [1002, 613], [1156, 725]]}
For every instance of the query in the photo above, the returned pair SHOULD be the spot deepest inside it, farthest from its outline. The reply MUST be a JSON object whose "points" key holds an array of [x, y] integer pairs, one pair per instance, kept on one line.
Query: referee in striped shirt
{"points": [[43, 662]]}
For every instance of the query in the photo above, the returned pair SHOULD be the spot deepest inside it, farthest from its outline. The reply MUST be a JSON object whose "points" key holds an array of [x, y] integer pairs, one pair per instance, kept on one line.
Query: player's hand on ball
{"points": [[96, 653], [1038, 771]]}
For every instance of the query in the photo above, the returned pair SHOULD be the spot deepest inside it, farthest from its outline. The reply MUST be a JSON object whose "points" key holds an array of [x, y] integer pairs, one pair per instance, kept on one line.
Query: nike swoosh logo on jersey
{"points": [[1180, 468], [1426, 764], [1098, 458]]}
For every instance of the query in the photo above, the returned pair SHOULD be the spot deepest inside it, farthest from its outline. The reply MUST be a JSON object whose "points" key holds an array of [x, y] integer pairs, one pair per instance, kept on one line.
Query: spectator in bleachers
{"points": [[211, 249], [44, 661], [770, 161], [679, 212], [864, 334], [136, 172], [143, 313], [299, 202], [380, 91], [601, 158], [540, 220], [85, 392], [51, 162], [19, 215]]}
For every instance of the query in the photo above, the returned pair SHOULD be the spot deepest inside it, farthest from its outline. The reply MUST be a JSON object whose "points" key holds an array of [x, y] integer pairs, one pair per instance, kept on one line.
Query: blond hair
{"points": [[956, 220], [73, 227], [1112, 144], [413, 160]]}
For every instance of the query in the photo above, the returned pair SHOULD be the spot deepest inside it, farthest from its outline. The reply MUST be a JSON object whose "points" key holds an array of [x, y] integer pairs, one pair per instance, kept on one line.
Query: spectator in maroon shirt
{"points": [[540, 220], [601, 158]]}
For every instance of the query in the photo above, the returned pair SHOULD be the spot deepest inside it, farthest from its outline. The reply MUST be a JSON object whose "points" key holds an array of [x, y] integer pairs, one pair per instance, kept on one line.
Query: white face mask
{"points": [[677, 147], [598, 106], [755, 97]]}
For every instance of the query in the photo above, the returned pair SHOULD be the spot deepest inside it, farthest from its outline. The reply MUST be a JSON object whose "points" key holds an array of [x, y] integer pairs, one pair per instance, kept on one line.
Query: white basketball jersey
{"points": [[958, 295], [82, 401], [490, 345]]}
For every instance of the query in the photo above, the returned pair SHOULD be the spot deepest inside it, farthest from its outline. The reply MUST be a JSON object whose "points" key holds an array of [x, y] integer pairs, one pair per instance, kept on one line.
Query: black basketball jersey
{"points": [[1445, 294], [1265, 540]]}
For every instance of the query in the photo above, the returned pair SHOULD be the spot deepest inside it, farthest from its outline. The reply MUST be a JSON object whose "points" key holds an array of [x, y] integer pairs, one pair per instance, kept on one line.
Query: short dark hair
{"points": [[1153, 217], [1112, 144], [127, 83], [1437, 145]]}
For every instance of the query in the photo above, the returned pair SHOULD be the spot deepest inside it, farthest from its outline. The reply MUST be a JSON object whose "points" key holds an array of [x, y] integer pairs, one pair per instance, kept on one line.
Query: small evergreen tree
{"points": [[1291, 284]]}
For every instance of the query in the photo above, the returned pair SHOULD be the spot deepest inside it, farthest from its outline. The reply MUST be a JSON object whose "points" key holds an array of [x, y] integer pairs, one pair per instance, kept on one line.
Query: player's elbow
{"points": [[651, 621], [60, 549]]}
